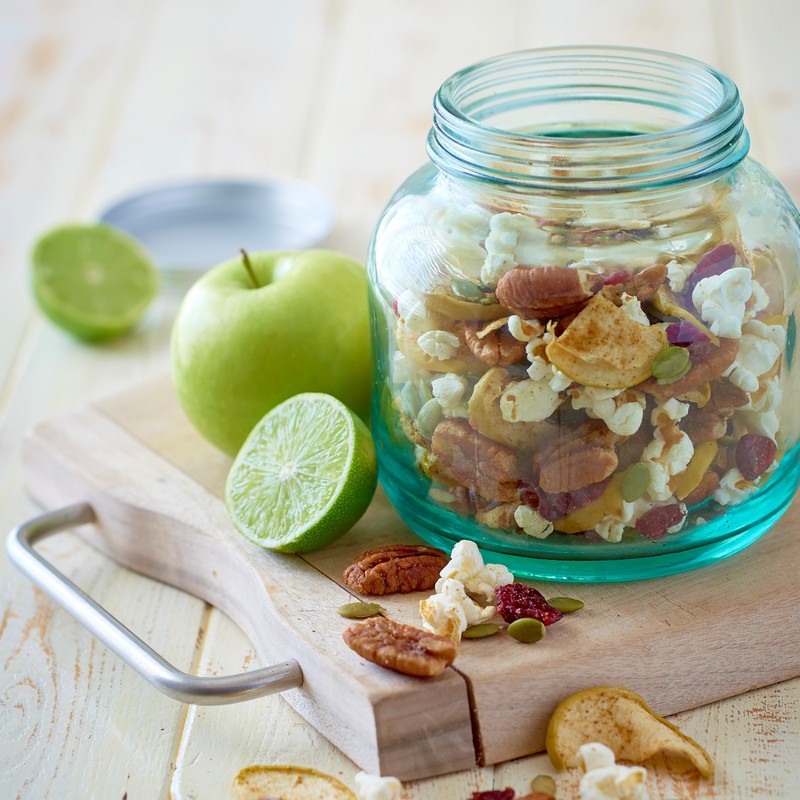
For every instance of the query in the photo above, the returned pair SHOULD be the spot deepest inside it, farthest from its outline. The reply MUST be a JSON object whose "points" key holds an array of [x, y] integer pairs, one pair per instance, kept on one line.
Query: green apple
{"points": [[255, 331]]}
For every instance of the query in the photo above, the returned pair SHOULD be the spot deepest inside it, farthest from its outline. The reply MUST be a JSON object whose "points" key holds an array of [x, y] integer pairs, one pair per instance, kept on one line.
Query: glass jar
{"points": [[583, 320]]}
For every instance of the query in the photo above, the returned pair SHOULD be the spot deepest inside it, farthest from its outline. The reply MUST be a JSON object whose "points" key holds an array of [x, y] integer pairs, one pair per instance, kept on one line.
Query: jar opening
{"points": [[587, 119]]}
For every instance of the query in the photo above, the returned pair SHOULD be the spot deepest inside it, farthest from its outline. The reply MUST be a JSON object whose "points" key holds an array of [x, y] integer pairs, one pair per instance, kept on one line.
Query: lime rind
{"points": [[304, 476], [94, 281]]}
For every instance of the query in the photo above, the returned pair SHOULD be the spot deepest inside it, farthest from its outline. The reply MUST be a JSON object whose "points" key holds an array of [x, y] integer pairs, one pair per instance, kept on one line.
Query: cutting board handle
{"points": [[122, 641]]}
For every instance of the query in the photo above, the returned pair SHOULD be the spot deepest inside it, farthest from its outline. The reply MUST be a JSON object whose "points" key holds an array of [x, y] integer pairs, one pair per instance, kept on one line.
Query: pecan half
{"points": [[493, 344], [724, 394], [706, 424], [574, 459], [643, 284], [546, 292], [402, 648], [702, 371], [395, 568], [489, 468]]}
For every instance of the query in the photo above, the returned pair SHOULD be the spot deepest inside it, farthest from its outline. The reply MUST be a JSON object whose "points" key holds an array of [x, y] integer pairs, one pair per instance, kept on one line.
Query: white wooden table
{"points": [[100, 98]]}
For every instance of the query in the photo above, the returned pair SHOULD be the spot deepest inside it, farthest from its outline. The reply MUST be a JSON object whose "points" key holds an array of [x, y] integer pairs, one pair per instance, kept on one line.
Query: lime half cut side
{"points": [[93, 281], [304, 476]]}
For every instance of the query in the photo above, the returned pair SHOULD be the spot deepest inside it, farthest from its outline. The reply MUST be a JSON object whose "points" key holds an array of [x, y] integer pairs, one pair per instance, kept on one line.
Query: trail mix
{"points": [[600, 397]]}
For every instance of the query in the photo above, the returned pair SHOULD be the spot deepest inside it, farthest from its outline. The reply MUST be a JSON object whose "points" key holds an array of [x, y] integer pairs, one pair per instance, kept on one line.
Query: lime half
{"points": [[92, 280], [304, 476]]}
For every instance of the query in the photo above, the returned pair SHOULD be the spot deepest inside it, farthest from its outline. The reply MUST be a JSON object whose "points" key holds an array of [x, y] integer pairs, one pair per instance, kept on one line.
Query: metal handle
{"points": [[122, 641]]}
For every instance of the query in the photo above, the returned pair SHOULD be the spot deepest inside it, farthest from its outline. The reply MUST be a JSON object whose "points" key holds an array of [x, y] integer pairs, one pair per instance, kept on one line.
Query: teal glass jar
{"points": [[583, 319]]}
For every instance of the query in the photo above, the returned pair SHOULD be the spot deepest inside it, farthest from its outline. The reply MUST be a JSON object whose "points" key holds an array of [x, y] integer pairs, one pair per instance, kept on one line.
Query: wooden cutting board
{"points": [[681, 642]]}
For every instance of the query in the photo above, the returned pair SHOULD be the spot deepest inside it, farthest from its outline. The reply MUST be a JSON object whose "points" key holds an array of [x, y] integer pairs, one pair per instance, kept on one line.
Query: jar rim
{"points": [[659, 87]]}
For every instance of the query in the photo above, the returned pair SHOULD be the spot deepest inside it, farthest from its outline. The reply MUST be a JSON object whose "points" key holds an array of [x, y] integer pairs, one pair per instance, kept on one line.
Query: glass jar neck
{"points": [[587, 119]]}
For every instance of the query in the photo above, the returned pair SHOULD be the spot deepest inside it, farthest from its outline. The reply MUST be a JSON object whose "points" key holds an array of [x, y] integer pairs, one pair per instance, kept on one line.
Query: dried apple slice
{"points": [[485, 415], [458, 308], [584, 519], [604, 348], [665, 302], [289, 783], [621, 720], [698, 466], [462, 361]]}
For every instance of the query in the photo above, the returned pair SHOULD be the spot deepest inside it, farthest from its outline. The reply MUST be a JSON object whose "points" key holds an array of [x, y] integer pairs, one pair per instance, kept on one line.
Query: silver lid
{"points": [[194, 225]]}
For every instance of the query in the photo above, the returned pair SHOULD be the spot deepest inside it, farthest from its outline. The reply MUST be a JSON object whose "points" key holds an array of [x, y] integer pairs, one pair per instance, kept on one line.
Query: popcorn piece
{"points": [[403, 369], [612, 526], [449, 390], [529, 401], [532, 522], [678, 273], [606, 780], [621, 409], [759, 349], [450, 611], [374, 787], [733, 488], [501, 245], [720, 300], [633, 308], [412, 310], [524, 330], [559, 382], [439, 344], [760, 415], [759, 300], [466, 565], [670, 450]]}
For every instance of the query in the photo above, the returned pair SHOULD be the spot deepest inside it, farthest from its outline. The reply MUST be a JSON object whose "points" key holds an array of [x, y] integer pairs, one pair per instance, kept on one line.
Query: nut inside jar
{"points": [[598, 395]]}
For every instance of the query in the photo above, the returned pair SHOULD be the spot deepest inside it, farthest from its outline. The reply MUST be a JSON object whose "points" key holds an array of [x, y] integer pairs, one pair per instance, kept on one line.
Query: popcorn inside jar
{"points": [[586, 364]]}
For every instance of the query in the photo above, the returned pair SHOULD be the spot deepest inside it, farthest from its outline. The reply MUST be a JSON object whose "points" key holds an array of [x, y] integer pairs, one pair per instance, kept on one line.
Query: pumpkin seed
{"points": [[566, 604], [465, 289], [409, 399], [360, 610], [430, 415], [480, 631], [545, 784], [489, 300], [526, 630], [671, 364], [635, 481]]}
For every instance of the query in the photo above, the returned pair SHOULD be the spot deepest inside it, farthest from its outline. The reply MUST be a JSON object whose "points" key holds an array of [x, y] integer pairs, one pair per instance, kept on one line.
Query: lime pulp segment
{"points": [[304, 476]]}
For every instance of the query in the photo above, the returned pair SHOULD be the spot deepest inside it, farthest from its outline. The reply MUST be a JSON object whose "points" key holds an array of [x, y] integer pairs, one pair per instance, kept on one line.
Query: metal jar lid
{"points": [[194, 225]]}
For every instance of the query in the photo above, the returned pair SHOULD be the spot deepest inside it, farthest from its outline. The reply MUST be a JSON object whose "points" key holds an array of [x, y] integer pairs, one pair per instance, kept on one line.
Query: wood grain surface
{"points": [[157, 489], [98, 99]]}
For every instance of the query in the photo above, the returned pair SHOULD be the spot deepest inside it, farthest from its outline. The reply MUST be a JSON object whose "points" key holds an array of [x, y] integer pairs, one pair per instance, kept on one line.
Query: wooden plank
{"points": [[652, 636], [159, 521]]}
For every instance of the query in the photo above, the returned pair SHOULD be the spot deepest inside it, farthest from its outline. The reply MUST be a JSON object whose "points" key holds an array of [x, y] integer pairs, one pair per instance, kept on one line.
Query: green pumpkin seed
{"points": [[671, 364], [635, 481], [544, 784], [409, 401], [480, 631], [425, 393], [465, 289], [526, 630], [430, 415], [566, 604], [360, 610], [488, 301]]}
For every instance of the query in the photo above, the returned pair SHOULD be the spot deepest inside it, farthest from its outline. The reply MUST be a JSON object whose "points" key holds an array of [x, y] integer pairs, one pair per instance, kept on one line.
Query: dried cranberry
{"points": [[616, 277], [683, 334], [700, 351], [396, 308], [754, 454], [516, 601], [556, 506], [654, 523], [527, 494], [494, 794], [715, 262]]}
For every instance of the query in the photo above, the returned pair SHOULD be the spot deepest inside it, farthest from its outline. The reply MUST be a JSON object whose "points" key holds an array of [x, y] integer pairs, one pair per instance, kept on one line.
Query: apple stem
{"points": [[249, 267]]}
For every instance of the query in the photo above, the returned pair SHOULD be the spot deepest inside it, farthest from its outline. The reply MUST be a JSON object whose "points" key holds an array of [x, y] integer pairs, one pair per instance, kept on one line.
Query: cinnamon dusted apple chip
{"points": [[621, 720]]}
